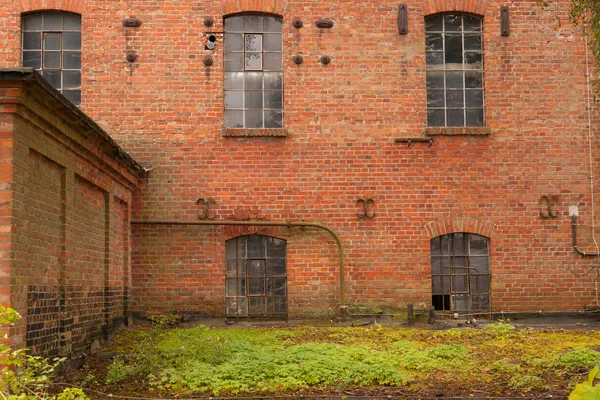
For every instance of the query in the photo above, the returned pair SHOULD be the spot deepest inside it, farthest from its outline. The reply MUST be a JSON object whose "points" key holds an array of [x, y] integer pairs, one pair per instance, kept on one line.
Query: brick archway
{"points": [[467, 6], [74, 6], [460, 224], [265, 6]]}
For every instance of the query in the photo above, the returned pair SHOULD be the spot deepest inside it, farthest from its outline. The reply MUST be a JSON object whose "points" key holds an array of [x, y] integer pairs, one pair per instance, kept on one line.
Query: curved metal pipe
{"points": [[333, 233], [583, 253]]}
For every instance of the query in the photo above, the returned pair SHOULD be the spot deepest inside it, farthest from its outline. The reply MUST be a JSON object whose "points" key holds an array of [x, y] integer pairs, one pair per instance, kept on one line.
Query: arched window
{"points": [[454, 59], [253, 72], [460, 272], [256, 277], [52, 44]]}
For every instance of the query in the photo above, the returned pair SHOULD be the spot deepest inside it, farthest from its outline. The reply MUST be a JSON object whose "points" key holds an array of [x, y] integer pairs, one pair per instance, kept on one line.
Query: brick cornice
{"points": [[264, 6], [460, 224], [468, 6], [74, 6]]}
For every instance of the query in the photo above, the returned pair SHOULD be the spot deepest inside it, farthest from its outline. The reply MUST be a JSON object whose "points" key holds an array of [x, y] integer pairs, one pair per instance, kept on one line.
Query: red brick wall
{"points": [[341, 119]]}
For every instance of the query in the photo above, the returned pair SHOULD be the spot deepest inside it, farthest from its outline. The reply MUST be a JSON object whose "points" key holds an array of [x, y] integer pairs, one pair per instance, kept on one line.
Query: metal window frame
{"points": [[463, 70]]}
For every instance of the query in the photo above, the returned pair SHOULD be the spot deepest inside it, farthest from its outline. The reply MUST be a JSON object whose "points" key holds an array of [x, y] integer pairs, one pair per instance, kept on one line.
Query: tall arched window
{"points": [[253, 72], [454, 59], [52, 44], [460, 272], [256, 277]]}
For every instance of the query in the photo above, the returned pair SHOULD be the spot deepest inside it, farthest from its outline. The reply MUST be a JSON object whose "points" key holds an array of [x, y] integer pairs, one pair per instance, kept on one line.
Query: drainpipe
{"points": [[580, 252], [334, 234]]}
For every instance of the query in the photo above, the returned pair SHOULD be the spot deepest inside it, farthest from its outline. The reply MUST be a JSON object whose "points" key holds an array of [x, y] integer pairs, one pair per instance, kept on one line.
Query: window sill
{"points": [[260, 132], [458, 131]]}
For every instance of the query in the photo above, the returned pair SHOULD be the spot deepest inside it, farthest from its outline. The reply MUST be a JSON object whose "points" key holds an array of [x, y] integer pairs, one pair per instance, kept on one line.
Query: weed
{"points": [[506, 368], [527, 383], [500, 328], [119, 371], [577, 360], [167, 320], [431, 359]]}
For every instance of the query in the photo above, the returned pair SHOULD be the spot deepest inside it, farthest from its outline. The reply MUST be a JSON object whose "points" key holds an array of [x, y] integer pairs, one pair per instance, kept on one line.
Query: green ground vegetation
{"points": [[201, 361]]}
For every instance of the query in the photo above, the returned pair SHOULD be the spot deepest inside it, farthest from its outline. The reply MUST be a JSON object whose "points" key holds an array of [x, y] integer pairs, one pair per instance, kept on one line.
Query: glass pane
{"points": [[52, 59], [279, 267], [242, 287], [273, 118], [459, 302], [52, 41], [475, 117], [274, 99], [435, 118], [454, 98], [253, 99], [273, 80], [242, 306], [234, 80], [433, 23], [253, 42], [435, 246], [242, 245], [52, 21], [32, 59], [454, 51], [231, 287], [234, 61], [473, 79], [234, 24], [436, 265], [71, 79], [32, 41], [72, 41], [433, 41], [254, 119], [232, 306], [32, 22], [74, 96], [280, 304], [481, 263], [254, 249], [254, 23], [436, 285], [255, 286], [241, 267], [72, 22], [72, 60], [459, 244], [272, 24], [231, 267], [254, 305], [253, 81], [435, 59], [53, 77], [454, 79], [234, 119], [277, 248], [279, 286], [435, 80], [472, 23], [455, 118], [473, 60], [473, 42], [234, 99], [435, 98], [474, 98], [478, 245], [273, 62], [253, 61], [446, 243], [453, 22], [234, 42], [273, 42]]}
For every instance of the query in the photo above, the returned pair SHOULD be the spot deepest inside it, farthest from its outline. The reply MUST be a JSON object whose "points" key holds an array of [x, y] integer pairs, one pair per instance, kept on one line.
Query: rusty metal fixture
{"points": [[414, 140], [208, 61], [203, 212], [324, 23], [580, 252], [297, 23], [547, 206], [504, 21], [329, 230], [298, 59], [131, 56], [366, 206], [402, 19], [208, 21], [132, 22], [325, 59]]}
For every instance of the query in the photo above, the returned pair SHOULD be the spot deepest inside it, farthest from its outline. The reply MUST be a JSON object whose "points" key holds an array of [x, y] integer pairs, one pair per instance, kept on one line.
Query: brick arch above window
{"points": [[460, 224], [74, 6], [266, 6], [235, 231], [465, 6]]}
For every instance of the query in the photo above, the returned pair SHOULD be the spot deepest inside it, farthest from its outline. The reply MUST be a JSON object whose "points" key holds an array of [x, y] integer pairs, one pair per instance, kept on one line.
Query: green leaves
{"points": [[587, 390]]}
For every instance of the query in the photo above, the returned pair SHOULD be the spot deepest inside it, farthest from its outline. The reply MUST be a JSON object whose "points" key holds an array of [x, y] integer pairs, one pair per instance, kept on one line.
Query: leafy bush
{"points": [[119, 371], [577, 360]]}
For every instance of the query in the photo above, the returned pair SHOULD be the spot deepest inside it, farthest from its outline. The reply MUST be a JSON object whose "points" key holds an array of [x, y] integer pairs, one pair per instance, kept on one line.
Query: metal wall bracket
{"points": [[132, 22], [548, 206], [504, 21], [324, 23], [204, 207], [366, 208], [410, 141], [402, 19]]}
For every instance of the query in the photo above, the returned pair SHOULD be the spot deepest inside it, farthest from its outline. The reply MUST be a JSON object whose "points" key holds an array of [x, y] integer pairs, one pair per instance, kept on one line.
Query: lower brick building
{"points": [[303, 156]]}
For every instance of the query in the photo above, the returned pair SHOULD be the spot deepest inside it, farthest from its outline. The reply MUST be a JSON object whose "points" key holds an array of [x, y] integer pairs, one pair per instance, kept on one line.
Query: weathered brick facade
{"points": [[341, 122]]}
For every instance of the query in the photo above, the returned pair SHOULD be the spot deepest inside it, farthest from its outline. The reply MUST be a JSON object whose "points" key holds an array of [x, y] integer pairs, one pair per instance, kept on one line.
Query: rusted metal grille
{"points": [[460, 273], [256, 277]]}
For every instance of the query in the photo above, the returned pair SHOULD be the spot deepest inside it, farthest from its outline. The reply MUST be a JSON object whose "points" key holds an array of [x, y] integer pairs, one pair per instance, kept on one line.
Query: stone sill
{"points": [[261, 132], [458, 131]]}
